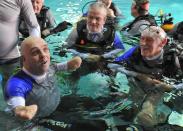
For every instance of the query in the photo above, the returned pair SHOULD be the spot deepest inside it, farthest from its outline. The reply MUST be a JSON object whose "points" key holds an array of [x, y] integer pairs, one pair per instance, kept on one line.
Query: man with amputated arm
{"points": [[33, 91]]}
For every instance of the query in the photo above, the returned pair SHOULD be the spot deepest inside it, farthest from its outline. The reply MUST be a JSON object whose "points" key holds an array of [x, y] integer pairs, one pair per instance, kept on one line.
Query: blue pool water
{"points": [[70, 10]]}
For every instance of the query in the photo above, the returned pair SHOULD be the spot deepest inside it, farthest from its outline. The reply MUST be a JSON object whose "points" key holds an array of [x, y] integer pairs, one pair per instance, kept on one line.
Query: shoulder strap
{"points": [[109, 34], [81, 25], [42, 17]]}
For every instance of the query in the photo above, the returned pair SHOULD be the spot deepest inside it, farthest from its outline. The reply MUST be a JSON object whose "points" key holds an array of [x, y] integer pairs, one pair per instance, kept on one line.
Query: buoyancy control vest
{"points": [[42, 18], [173, 59], [84, 45], [165, 66]]}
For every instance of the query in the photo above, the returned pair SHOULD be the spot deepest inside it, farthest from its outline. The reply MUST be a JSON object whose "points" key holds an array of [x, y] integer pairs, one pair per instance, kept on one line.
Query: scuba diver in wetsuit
{"points": [[45, 19], [140, 11], [153, 62], [93, 40]]}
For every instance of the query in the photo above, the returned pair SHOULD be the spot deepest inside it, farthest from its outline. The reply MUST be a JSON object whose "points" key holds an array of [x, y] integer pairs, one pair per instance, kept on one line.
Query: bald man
{"points": [[33, 92]]}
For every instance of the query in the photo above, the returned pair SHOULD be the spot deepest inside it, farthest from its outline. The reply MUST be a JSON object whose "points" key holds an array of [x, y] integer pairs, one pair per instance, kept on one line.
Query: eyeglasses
{"points": [[152, 31]]}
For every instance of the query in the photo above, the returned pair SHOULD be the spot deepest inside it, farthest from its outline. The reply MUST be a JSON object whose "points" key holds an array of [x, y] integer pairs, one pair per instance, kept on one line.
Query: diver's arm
{"points": [[118, 43], [112, 54], [126, 55], [60, 27], [73, 64], [26, 112], [118, 49], [86, 56], [142, 77], [17, 104]]}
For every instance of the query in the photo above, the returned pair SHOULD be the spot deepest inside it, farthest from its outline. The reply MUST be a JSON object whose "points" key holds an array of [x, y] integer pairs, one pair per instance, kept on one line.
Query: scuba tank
{"points": [[165, 20]]}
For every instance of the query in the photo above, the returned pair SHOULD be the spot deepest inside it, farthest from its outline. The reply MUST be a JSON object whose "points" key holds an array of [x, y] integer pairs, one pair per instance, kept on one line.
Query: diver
{"points": [[45, 19], [177, 32], [113, 14], [32, 92], [140, 11], [93, 40], [149, 65]]}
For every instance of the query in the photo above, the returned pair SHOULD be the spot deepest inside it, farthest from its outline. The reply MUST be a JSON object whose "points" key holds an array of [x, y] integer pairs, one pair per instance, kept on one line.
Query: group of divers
{"points": [[153, 66]]}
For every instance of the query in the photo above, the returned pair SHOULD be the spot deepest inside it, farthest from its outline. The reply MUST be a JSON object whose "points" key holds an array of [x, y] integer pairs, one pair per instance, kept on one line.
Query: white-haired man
{"points": [[93, 40], [153, 58]]}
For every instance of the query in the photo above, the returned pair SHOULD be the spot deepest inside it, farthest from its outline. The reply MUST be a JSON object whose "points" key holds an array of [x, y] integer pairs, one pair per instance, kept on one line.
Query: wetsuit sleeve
{"points": [[51, 19], [77, 53], [71, 40], [118, 44], [62, 66], [15, 101], [17, 87], [126, 55], [29, 16]]}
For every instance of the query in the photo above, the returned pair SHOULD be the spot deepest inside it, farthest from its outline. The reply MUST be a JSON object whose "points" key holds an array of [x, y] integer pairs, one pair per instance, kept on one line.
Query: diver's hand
{"points": [[93, 58], [74, 63], [61, 27], [45, 33], [26, 112], [150, 82]]}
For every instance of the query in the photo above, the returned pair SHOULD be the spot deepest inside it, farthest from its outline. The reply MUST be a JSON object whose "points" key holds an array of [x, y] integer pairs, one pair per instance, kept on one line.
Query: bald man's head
{"points": [[35, 54], [29, 42]]}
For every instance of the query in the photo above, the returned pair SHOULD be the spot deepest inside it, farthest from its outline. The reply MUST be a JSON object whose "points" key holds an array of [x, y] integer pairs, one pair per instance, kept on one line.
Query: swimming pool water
{"points": [[70, 10]]}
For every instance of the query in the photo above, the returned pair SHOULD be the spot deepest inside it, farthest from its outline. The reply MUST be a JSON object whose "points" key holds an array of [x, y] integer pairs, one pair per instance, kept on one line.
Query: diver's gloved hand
{"points": [[61, 27], [93, 58]]}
